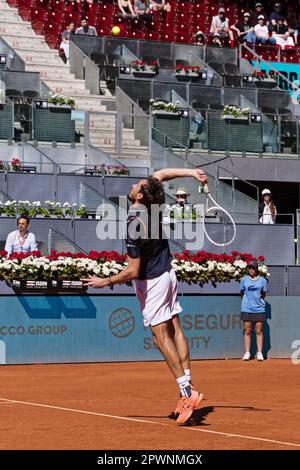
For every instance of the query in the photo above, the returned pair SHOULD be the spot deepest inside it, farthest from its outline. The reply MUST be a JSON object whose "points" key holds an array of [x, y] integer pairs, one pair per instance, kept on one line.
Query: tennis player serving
{"points": [[149, 265]]}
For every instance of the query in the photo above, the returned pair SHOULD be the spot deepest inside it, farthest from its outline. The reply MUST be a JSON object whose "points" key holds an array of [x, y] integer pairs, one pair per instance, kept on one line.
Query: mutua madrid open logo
{"points": [[121, 322]]}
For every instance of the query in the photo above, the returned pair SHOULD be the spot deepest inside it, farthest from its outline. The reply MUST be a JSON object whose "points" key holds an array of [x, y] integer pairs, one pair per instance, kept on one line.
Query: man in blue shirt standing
{"points": [[253, 289]]}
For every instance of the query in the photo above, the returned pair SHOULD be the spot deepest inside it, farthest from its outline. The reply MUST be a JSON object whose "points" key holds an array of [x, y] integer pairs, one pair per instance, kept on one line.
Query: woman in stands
{"points": [[253, 288], [200, 38], [126, 9], [65, 44], [158, 6], [280, 32], [267, 208]]}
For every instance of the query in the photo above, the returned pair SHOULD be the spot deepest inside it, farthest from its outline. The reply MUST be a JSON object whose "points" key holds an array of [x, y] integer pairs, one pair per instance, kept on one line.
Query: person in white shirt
{"points": [[267, 208], [21, 240], [220, 26], [262, 32]]}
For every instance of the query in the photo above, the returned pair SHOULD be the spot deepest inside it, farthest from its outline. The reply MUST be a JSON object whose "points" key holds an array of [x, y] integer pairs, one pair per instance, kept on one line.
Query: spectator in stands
{"points": [[65, 44], [141, 8], [258, 12], [126, 9], [220, 25], [282, 35], [244, 30], [261, 31], [159, 6], [216, 40], [253, 288], [276, 14], [21, 240], [267, 208], [181, 199], [292, 23], [200, 38], [86, 29]]}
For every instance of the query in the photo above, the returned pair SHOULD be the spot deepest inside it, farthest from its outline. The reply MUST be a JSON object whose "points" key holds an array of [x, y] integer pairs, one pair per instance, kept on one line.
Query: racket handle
{"points": [[206, 189]]}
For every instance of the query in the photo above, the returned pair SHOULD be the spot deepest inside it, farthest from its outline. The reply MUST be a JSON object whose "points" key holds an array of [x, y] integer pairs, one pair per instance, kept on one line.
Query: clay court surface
{"points": [[127, 406]]}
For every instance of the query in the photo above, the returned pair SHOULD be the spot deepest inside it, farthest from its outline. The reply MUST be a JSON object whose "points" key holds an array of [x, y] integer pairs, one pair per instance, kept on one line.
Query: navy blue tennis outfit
{"points": [[154, 252]]}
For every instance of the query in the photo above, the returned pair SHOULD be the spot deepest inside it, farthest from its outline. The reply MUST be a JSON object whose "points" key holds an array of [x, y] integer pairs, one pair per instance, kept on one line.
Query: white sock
{"points": [[188, 374], [184, 386]]}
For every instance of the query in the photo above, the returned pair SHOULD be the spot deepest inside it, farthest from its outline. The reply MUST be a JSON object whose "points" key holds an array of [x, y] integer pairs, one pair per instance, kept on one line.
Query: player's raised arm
{"points": [[167, 174]]}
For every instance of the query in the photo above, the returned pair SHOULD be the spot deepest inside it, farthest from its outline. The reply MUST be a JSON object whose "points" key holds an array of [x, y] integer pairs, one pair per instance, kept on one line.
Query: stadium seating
{"points": [[51, 18]]}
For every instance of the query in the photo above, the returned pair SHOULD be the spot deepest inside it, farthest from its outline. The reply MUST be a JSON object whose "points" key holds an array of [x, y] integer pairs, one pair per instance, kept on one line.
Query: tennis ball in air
{"points": [[115, 30]]}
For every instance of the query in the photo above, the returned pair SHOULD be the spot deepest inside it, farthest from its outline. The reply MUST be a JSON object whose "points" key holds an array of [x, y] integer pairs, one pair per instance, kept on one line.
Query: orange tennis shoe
{"points": [[179, 404], [188, 405]]}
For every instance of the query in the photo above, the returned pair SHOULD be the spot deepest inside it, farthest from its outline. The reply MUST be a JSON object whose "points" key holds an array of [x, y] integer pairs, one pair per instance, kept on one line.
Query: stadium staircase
{"points": [[39, 57]]}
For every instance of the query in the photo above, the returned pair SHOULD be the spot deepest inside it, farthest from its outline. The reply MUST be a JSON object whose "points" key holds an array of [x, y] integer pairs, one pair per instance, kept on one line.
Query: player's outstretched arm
{"points": [[128, 274], [167, 174]]}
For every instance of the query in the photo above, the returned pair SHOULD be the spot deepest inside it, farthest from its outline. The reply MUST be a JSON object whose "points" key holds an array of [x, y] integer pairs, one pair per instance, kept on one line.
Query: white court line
{"points": [[156, 423]]}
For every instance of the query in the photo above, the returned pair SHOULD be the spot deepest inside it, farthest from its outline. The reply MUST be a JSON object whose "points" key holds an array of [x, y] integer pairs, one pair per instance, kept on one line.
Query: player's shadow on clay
{"points": [[198, 416]]}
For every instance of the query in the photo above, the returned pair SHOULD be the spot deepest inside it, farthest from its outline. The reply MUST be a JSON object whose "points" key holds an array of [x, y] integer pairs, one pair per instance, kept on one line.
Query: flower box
{"points": [[49, 286], [27, 285], [162, 112], [265, 82], [241, 119], [144, 73], [68, 285], [191, 76]]}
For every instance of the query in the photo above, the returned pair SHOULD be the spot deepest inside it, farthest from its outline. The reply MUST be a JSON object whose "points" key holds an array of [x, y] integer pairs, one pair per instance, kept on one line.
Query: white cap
{"points": [[265, 191], [181, 192], [261, 17]]}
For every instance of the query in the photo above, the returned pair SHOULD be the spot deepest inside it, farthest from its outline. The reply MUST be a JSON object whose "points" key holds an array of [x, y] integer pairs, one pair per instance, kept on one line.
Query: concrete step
{"points": [[11, 28], [97, 133], [51, 74], [43, 67], [89, 107], [26, 36], [110, 142], [96, 120], [66, 88], [36, 51]]}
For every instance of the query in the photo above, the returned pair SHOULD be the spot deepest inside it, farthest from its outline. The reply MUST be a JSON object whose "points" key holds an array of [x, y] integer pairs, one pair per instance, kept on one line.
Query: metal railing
{"points": [[94, 200], [173, 154], [59, 242]]}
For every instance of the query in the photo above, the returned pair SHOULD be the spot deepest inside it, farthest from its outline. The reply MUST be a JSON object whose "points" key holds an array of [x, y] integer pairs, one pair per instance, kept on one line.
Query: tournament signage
{"points": [[107, 328]]}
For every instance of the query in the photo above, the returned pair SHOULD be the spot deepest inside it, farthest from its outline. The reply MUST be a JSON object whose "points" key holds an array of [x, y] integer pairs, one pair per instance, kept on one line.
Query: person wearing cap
{"points": [[220, 26], [267, 208], [276, 14], [181, 206], [200, 38], [253, 289], [256, 13], [216, 40], [261, 31], [280, 32], [244, 30]]}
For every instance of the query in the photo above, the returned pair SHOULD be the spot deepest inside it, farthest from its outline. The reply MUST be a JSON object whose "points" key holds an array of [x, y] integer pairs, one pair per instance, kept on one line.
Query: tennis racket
{"points": [[227, 236]]}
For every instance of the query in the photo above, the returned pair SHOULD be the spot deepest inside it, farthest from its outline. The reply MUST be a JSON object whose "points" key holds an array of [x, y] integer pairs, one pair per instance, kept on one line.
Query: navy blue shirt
{"points": [[154, 252]]}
